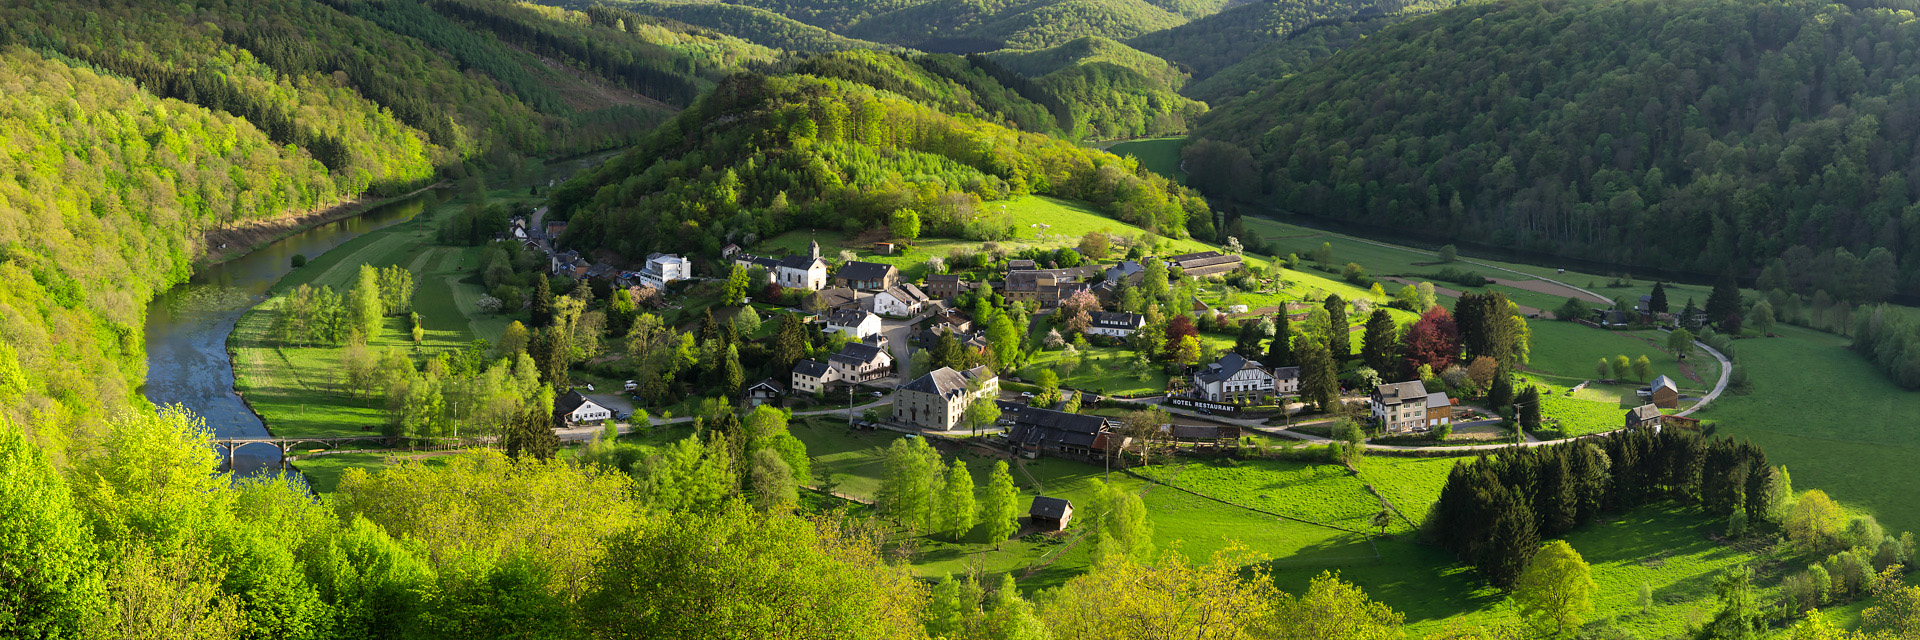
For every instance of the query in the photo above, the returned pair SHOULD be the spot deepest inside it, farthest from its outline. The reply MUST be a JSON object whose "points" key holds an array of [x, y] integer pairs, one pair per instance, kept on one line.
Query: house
{"points": [[952, 320], [813, 376], [945, 286], [859, 324], [1039, 432], [1662, 393], [662, 268], [554, 229], [860, 362], [1200, 434], [766, 391], [1116, 324], [866, 276], [574, 408], [1439, 409], [1203, 264], [1400, 406], [768, 266], [1047, 287], [1643, 415], [1286, 381], [939, 399], [1129, 271], [1021, 265], [1233, 379], [1050, 514], [900, 301], [883, 248], [841, 298], [727, 252]]}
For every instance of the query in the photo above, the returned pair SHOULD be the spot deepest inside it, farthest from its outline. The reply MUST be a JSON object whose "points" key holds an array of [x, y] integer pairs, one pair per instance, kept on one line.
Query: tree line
{"points": [[1494, 511]]}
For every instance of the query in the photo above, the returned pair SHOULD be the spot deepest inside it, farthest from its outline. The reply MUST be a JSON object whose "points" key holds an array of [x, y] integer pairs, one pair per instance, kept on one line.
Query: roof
{"points": [[812, 368], [1643, 413], [1117, 319], [1399, 392], [943, 278], [907, 293], [864, 271], [847, 317], [759, 261], [802, 263], [1124, 269], [1286, 373], [1436, 399], [768, 383], [943, 382], [838, 296], [1020, 264], [1662, 381], [858, 353], [1193, 256], [569, 403], [1074, 422], [1045, 507], [1224, 368]]}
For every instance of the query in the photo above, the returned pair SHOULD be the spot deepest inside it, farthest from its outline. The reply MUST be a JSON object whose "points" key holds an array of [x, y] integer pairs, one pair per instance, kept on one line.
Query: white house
{"points": [[662, 268], [1286, 381], [859, 362], [859, 324], [1233, 378], [812, 376], [793, 272], [1116, 324], [938, 400], [1400, 406], [574, 408], [900, 300]]}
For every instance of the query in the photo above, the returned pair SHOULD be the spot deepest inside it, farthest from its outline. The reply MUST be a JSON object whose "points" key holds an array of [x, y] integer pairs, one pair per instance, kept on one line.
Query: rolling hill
{"points": [[1107, 89], [764, 155], [1685, 136]]}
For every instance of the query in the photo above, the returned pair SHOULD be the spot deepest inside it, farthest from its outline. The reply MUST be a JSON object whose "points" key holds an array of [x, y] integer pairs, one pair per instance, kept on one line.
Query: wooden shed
{"points": [[1050, 514]]}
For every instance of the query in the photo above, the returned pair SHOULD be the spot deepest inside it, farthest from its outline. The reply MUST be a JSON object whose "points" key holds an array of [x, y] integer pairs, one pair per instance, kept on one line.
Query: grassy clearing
{"points": [[1581, 417], [1321, 493], [323, 472], [298, 391], [1568, 353], [1159, 155]]}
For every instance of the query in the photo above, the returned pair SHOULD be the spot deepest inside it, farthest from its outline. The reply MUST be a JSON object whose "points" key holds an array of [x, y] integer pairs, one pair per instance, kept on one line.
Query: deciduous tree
{"points": [[1556, 590]]}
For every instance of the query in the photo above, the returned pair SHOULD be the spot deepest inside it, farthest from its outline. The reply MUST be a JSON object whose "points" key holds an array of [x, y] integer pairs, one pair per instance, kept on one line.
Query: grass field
{"points": [[1568, 353], [1159, 155], [298, 391], [323, 472], [1321, 493]]}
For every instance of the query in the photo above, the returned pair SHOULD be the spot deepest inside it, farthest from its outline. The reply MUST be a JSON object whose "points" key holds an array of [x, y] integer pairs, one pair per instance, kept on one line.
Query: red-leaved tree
{"points": [[1433, 341], [1179, 327]]}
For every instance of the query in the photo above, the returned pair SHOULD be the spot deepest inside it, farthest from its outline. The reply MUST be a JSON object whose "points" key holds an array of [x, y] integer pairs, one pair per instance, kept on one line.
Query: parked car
{"points": [[877, 394], [1026, 394]]}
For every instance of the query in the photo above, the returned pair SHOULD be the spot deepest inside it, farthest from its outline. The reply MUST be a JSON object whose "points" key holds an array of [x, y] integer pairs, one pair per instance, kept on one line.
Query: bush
{"points": [[299, 260]]}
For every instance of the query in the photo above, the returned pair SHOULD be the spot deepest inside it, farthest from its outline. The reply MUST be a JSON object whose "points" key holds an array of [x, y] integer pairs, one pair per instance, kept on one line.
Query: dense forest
{"points": [[762, 155], [752, 24], [1690, 136], [1108, 90], [1237, 34]]}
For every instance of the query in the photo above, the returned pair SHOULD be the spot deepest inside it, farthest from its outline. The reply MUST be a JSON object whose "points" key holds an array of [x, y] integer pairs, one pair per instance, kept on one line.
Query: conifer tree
{"points": [[1513, 543], [1339, 332], [542, 302], [1377, 345], [1657, 302], [1319, 376], [1280, 348]]}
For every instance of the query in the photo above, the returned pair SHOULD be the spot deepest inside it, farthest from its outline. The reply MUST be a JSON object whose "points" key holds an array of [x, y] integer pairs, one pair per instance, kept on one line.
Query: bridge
{"points": [[286, 446]]}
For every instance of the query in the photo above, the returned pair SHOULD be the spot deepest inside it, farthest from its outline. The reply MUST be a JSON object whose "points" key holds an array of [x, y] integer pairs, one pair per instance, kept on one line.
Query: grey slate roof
{"points": [[1664, 382], [813, 368], [906, 292], [1401, 392], [942, 382], [1286, 373], [1643, 413], [1118, 320], [847, 317], [1014, 265], [769, 383], [802, 263], [858, 353], [1124, 270], [1437, 399], [863, 271], [1045, 507], [1228, 365], [567, 403]]}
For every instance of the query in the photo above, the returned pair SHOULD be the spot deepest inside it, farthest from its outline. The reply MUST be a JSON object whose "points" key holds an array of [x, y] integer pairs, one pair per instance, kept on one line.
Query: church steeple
{"points": [[813, 249]]}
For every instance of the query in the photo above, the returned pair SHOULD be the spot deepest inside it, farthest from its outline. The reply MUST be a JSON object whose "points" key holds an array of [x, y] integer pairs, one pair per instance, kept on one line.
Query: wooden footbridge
{"points": [[287, 446]]}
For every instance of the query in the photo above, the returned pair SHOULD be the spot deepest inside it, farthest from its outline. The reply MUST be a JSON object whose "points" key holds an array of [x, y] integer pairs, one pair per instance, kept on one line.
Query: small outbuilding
{"points": [[1050, 514], [1643, 415], [1664, 393]]}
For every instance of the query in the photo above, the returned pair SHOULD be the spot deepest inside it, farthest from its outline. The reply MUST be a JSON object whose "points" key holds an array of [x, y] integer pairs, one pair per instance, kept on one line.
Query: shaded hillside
{"points": [[763, 155], [983, 25], [1289, 55], [752, 24], [1106, 89], [1695, 136], [1210, 44]]}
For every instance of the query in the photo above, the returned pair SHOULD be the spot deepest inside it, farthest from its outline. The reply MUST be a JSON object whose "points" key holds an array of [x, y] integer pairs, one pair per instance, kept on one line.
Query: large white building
{"points": [[1400, 406], [662, 268], [793, 272], [854, 322], [1116, 324], [1233, 378], [938, 400], [574, 408], [900, 301]]}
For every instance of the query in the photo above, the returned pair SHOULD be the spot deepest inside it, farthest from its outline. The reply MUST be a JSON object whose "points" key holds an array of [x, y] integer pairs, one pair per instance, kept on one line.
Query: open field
{"points": [[1569, 353], [323, 472], [1159, 155], [298, 391]]}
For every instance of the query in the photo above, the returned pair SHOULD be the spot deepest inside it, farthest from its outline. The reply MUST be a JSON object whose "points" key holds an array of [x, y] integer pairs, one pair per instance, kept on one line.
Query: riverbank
{"points": [[221, 245]]}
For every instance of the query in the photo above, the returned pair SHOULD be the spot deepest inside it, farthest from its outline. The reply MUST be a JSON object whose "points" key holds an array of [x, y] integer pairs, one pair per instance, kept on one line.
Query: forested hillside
{"points": [[105, 189], [964, 26], [1287, 56], [1695, 136], [762, 155], [133, 128], [751, 24], [1218, 41], [1107, 89]]}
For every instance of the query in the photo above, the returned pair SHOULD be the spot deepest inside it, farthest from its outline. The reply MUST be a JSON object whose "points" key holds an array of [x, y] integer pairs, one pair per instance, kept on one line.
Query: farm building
{"points": [[1050, 514]]}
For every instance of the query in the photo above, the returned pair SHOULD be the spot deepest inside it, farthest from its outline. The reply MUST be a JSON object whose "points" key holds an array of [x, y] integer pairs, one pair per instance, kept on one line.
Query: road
{"points": [[1726, 375]]}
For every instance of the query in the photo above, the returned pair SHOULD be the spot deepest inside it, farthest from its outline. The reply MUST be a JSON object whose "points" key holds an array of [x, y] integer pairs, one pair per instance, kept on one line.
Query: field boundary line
{"points": [[1231, 503]]}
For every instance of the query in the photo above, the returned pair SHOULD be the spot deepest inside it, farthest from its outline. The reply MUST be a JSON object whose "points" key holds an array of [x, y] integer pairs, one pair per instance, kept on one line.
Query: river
{"points": [[188, 325]]}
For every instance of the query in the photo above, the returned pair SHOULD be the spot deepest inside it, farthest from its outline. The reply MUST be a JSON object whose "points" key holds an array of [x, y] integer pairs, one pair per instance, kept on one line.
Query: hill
{"points": [[1696, 136], [1107, 89], [763, 155], [1288, 55], [1233, 36], [749, 23], [965, 26], [135, 130]]}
